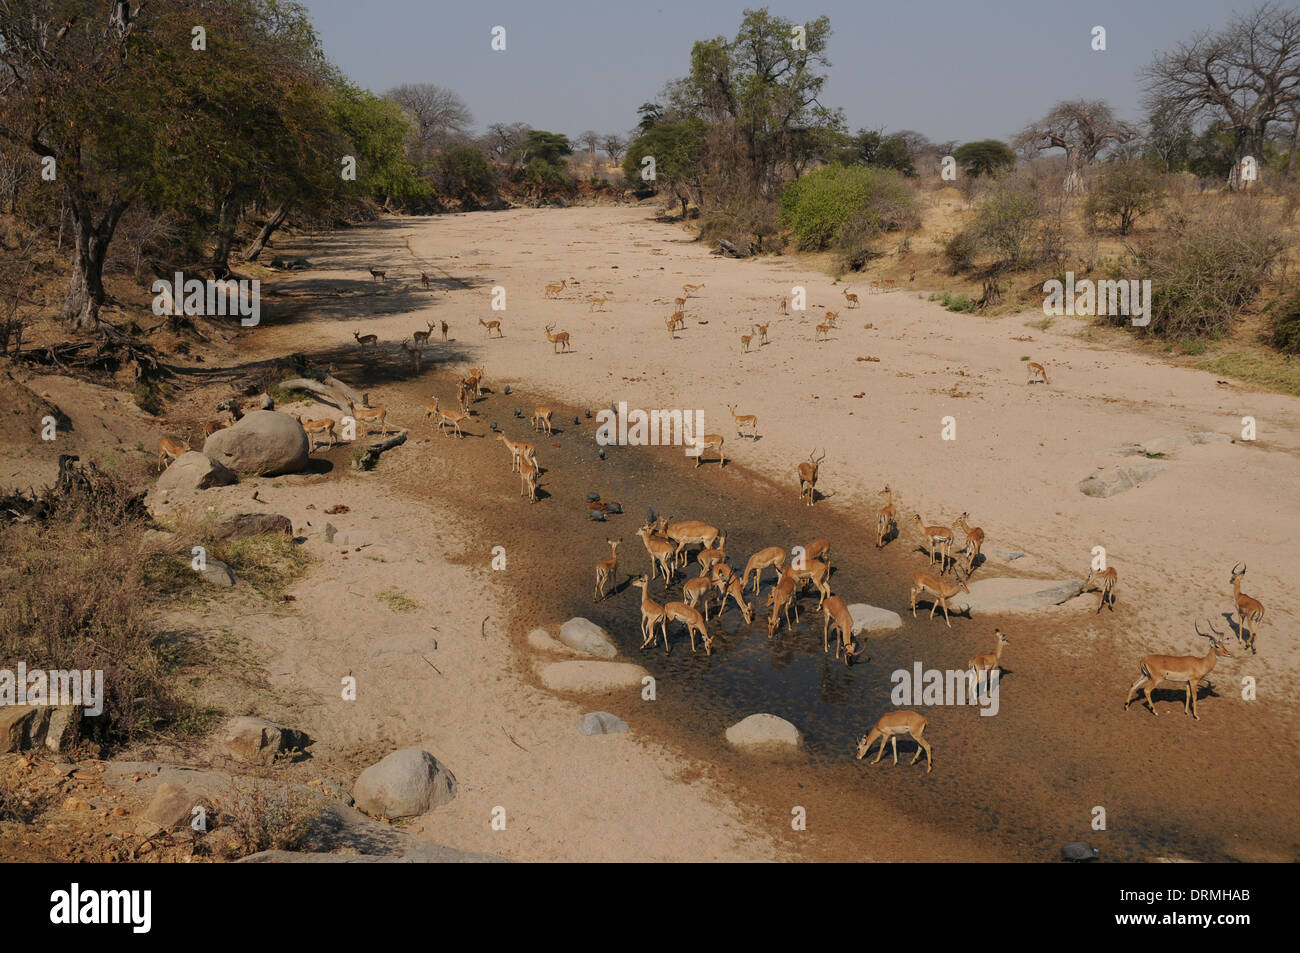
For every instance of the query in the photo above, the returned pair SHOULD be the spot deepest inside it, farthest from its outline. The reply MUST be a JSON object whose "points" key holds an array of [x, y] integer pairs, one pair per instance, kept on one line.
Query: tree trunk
{"points": [[229, 218], [90, 246], [1073, 171], [1290, 160], [1249, 144], [275, 221]]}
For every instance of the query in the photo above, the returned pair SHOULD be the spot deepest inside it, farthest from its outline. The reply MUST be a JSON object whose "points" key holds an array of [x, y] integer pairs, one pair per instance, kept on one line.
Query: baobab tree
{"points": [[1246, 75], [1083, 128]]}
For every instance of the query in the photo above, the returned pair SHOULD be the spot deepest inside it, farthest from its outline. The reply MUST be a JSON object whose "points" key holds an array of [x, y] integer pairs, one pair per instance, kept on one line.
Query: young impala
{"points": [[890, 727], [1181, 670], [1250, 610], [606, 568], [941, 591]]}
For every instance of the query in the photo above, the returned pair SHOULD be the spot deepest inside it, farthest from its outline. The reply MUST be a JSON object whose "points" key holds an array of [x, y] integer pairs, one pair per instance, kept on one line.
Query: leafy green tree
{"points": [[677, 148], [1009, 220], [464, 173], [989, 157], [1123, 192], [377, 131], [839, 203]]}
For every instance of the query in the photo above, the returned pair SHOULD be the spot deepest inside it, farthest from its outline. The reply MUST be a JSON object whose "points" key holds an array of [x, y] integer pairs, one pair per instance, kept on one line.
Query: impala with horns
{"points": [[808, 478], [1186, 670], [1250, 610]]}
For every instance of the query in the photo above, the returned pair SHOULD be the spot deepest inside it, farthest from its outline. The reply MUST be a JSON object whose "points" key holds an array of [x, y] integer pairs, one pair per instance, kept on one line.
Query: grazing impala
{"points": [[808, 478], [1105, 581], [837, 615], [691, 289], [816, 572], [366, 340], [773, 556], [819, 548], [694, 622], [559, 342], [606, 568], [744, 420], [661, 552], [711, 556], [732, 589], [890, 727], [490, 326], [987, 661], [541, 420], [1181, 670], [553, 290], [886, 518], [652, 614], [941, 591], [1250, 610], [169, 449], [974, 540], [938, 540], [1037, 372]]}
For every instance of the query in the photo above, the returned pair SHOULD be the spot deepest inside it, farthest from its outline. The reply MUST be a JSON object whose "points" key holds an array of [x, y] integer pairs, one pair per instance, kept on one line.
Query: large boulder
{"points": [[764, 732], [263, 443], [598, 677], [1114, 480], [217, 573], [1005, 595], [30, 726], [257, 740], [873, 619], [194, 471], [406, 783], [586, 636]]}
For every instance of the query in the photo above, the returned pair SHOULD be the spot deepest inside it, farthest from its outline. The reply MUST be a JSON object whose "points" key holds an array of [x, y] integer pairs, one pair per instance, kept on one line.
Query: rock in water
{"points": [[764, 731]]}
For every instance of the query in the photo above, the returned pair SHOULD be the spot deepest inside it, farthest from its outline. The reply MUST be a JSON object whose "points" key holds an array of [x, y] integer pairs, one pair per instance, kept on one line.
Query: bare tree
{"points": [[503, 140], [590, 140], [1247, 75], [1081, 127], [440, 115], [614, 146]]}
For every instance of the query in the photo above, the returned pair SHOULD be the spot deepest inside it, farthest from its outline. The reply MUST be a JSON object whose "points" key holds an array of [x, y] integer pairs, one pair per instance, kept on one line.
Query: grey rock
{"points": [[764, 731], [263, 442], [256, 740], [1002, 595], [194, 471], [873, 619], [406, 783], [217, 573], [601, 723], [241, 525], [585, 636], [1108, 482]]}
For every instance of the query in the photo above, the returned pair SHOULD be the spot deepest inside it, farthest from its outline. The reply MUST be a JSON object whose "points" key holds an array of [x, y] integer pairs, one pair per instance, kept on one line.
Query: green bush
{"points": [[846, 207]]}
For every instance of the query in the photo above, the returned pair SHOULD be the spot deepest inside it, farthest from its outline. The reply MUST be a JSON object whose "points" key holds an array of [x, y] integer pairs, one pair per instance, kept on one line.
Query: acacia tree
{"points": [[1246, 75], [1083, 128]]}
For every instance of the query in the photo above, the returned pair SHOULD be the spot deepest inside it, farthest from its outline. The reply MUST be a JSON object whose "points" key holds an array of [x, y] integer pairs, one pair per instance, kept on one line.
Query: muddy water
{"points": [[1013, 786]]}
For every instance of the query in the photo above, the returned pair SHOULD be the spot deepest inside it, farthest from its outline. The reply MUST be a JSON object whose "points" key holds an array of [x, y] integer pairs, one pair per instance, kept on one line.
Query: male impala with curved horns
{"points": [[1180, 669], [1250, 610], [559, 342], [808, 478], [890, 727], [941, 591]]}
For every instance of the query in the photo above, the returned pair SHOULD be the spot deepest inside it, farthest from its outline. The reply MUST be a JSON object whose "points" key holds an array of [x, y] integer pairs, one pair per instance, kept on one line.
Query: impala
{"points": [[366, 340], [598, 303], [212, 426], [661, 552], [559, 342], [832, 317], [781, 597], [938, 540], [490, 326], [169, 449], [518, 450], [528, 471], [987, 661], [711, 556], [413, 352], [445, 418], [553, 290], [773, 556], [710, 441], [606, 568], [850, 300], [463, 390], [837, 615], [784, 306], [744, 420], [941, 591], [822, 331], [672, 327], [314, 427], [444, 330], [819, 548], [974, 540], [677, 320], [379, 274], [886, 517], [875, 287], [424, 280], [369, 415], [1250, 610], [1179, 669], [744, 343], [808, 478], [679, 304], [695, 590], [694, 622], [652, 614], [762, 333], [1105, 580], [1037, 372], [688, 532], [890, 727], [691, 289], [541, 420], [421, 338], [816, 572], [732, 589]]}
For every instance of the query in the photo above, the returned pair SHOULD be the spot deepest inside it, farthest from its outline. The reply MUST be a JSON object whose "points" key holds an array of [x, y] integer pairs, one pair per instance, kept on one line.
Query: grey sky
{"points": [[952, 69]]}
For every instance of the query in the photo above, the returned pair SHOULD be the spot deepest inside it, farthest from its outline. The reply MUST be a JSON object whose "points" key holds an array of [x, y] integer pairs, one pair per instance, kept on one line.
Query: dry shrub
{"points": [[269, 813]]}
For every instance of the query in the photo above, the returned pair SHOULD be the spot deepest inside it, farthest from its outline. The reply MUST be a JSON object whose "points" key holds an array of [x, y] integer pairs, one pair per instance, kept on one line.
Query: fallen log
{"points": [[368, 458]]}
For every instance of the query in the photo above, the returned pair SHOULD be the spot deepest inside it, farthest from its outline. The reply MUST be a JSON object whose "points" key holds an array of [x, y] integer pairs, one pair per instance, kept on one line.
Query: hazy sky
{"points": [[952, 69]]}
